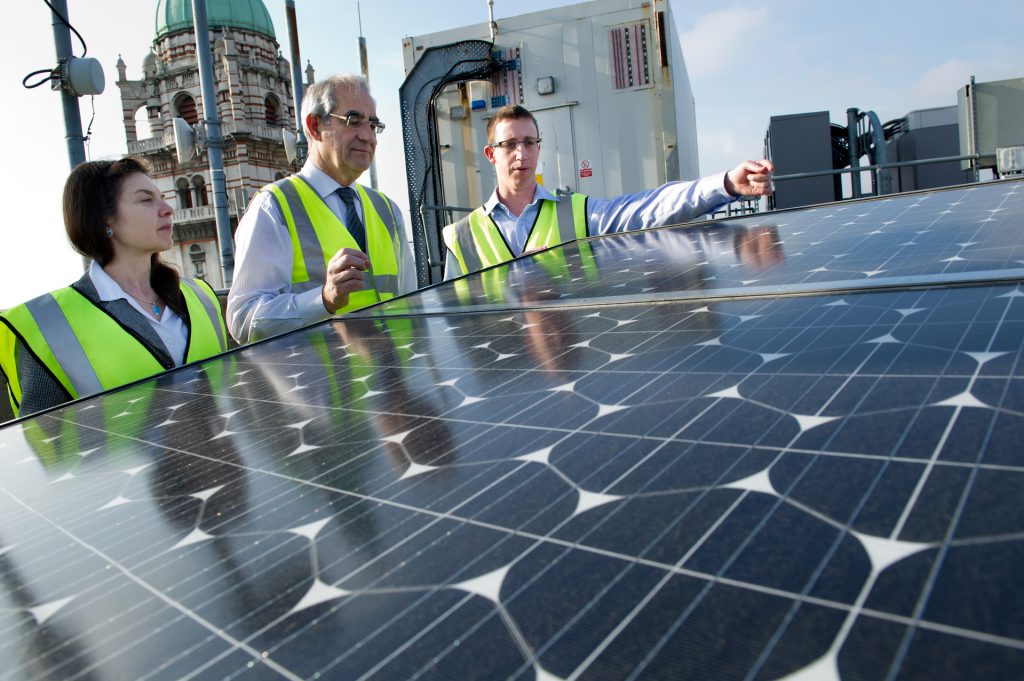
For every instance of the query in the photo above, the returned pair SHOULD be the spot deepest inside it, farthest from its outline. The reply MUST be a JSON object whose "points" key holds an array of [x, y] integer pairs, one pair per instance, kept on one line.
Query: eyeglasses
{"points": [[529, 144], [357, 121]]}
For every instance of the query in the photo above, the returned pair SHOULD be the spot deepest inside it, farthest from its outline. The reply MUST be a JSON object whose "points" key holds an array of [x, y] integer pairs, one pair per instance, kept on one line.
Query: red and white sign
{"points": [[585, 169]]}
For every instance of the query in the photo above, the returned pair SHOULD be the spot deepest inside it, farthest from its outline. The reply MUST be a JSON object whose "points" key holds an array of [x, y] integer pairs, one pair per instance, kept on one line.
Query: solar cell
{"points": [[687, 482]]}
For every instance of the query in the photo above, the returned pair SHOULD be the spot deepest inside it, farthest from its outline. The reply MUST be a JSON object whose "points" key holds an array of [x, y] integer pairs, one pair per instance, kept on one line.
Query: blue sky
{"points": [[746, 63]]}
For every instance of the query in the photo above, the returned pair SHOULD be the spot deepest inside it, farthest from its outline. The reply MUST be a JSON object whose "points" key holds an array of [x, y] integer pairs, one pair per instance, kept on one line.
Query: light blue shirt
{"points": [[669, 204]]}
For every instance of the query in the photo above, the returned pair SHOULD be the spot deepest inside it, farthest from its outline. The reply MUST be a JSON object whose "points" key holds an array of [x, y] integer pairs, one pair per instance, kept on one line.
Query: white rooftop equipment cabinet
{"points": [[606, 81]]}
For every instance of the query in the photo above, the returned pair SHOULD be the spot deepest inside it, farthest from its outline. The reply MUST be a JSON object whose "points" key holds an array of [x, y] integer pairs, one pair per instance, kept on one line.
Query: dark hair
{"points": [[509, 112], [90, 201]]}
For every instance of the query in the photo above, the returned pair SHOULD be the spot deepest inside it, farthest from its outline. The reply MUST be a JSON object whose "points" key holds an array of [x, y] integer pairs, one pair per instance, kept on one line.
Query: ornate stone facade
{"points": [[254, 103]]}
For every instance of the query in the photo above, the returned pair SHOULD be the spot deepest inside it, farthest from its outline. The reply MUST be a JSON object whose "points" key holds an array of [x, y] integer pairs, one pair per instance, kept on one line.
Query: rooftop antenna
{"points": [[214, 140], [490, 16], [74, 77], [364, 66]]}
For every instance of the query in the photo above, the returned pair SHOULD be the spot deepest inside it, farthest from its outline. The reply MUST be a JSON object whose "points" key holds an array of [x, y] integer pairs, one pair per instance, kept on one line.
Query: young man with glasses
{"points": [[521, 216], [316, 243]]}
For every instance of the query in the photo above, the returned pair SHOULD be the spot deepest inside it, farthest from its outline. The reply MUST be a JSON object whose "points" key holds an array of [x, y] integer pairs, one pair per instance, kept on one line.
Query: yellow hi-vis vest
{"points": [[477, 242], [88, 351], [317, 234]]}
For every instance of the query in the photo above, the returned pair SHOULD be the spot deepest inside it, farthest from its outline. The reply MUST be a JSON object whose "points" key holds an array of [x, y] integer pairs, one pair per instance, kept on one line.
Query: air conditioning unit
{"points": [[1010, 160]]}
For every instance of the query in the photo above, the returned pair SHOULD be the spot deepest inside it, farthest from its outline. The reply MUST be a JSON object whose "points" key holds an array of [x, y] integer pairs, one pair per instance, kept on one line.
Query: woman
{"points": [[128, 317]]}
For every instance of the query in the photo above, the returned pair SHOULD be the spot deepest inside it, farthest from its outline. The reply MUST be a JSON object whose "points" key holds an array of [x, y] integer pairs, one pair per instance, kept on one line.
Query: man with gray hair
{"points": [[316, 243]]}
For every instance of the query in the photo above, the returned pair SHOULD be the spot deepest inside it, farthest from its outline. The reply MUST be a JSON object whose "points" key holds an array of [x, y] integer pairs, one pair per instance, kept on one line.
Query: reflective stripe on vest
{"points": [[558, 222], [317, 234], [67, 359], [87, 351], [211, 309], [478, 243]]}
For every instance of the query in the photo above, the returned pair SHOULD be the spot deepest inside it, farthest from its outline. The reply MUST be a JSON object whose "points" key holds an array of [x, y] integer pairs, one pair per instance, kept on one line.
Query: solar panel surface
{"points": [[684, 482], [961, 235]]}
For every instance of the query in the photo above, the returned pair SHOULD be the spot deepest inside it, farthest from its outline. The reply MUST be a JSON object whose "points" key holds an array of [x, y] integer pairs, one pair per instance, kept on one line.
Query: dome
{"points": [[250, 15]]}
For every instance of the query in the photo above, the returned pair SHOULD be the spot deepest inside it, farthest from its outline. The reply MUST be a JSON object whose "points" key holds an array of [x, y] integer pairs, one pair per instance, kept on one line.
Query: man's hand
{"points": [[344, 276], [750, 178]]}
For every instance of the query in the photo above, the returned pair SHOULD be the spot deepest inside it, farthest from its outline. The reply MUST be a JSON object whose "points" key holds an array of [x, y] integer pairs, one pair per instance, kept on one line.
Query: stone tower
{"points": [[254, 102]]}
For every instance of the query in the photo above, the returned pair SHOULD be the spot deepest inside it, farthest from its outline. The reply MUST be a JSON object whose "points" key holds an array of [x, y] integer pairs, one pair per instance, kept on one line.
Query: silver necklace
{"points": [[153, 305]]}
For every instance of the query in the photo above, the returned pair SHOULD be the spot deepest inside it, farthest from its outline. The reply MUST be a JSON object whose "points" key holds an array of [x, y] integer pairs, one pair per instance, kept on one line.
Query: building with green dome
{"points": [[254, 104], [175, 16]]}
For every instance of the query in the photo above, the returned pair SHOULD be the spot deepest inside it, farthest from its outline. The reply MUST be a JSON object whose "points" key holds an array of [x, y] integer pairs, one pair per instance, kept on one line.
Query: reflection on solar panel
{"points": [[627, 458], [972, 234]]}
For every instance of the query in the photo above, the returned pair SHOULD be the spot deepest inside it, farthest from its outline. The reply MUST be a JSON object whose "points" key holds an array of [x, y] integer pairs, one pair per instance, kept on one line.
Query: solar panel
{"points": [[958, 235], [704, 480]]}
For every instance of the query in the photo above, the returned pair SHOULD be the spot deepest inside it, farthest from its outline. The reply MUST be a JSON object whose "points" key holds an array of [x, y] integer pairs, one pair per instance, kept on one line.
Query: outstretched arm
{"points": [[750, 178]]}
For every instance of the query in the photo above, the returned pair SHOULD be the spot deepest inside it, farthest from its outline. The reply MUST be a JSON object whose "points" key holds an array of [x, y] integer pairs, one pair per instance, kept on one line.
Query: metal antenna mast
{"points": [[364, 65]]}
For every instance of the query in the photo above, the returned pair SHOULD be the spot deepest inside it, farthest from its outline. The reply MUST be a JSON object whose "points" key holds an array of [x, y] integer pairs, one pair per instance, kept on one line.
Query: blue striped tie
{"points": [[352, 221]]}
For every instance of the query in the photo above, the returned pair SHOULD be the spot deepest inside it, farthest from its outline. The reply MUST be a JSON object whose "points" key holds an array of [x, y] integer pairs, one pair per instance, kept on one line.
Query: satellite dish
{"points": [[184, 140], [289, 145]]}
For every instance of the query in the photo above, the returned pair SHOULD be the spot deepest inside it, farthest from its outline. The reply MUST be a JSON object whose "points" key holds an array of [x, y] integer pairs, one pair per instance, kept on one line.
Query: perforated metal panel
{"points": [[437, 67]]}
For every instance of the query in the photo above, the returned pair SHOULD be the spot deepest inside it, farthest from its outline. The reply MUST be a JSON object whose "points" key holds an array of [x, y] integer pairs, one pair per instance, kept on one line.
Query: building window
{"points": [[199, 190], [186, 108], [181, 190], [143, 130], [198, 257], [273, 110]]}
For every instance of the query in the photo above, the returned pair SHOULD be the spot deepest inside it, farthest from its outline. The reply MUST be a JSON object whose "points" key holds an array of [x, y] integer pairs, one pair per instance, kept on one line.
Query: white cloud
{"points": [[721, 41]]}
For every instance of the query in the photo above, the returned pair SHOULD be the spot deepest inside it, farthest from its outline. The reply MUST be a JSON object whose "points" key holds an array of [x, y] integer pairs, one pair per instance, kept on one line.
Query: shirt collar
{"points": [[539, 193], [543, 193], [106, 288], [322, 183]]}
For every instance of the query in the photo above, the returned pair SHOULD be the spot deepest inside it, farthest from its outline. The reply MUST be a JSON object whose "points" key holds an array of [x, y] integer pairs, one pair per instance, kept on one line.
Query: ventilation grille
{"points": [[631, 66]]}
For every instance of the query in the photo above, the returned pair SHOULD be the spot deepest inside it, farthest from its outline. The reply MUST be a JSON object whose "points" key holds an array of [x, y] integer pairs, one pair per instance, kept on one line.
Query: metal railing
{"points": [[258, 130], [873, 169], [184, 215], [151, 144], [253, 129]]}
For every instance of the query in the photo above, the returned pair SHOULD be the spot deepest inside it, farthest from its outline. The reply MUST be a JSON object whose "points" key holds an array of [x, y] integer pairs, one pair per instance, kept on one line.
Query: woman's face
{"points": [[142, 224]]}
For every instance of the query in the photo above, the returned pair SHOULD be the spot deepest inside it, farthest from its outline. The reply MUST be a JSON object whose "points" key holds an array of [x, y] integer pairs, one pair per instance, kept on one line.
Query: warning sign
{"points": [[585, 169]]}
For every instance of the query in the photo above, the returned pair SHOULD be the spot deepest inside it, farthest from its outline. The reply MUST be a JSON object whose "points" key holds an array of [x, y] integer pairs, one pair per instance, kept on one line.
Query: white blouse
{"points": [[170, 327]]}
